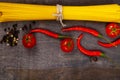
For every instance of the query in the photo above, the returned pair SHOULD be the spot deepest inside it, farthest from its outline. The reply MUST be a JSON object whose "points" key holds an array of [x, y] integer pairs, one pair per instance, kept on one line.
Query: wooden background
{"points": [[46, 61]]}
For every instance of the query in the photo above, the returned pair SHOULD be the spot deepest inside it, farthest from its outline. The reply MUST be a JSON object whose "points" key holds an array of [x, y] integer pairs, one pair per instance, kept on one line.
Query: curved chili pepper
{"points": [[108, 45], [47, 32], [84, 29], [88, 52]]}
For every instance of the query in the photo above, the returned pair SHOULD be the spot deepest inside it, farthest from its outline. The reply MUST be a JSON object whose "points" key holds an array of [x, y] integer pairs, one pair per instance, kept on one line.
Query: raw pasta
{"points": [[22, 12]]}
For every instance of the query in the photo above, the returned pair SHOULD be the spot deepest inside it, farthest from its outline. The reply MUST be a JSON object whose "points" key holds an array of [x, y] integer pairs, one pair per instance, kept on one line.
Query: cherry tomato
{"points": [[29, 40], [113, 30], [67, 44]]}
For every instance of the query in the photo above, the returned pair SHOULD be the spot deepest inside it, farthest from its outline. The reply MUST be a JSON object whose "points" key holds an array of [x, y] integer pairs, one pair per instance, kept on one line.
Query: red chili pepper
{"points": [[108, 45], [47, 32], [88, 52], [84, 29]]}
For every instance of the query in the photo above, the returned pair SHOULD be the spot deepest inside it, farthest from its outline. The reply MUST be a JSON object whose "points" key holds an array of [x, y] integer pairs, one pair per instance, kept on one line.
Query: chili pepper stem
{"points": [[108, 58], [102, 55], [61, 36], [112, 61], [100, 36]]}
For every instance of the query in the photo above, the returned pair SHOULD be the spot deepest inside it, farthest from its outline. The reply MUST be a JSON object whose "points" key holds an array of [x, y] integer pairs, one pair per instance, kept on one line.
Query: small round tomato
{"points": [[113, 30], [29, 40], [67, 44]]}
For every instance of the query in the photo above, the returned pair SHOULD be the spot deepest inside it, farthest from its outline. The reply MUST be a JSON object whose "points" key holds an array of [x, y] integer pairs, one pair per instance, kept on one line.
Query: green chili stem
{"points": [[110, 60], [109, 41], [61, 36], [100, 36]]}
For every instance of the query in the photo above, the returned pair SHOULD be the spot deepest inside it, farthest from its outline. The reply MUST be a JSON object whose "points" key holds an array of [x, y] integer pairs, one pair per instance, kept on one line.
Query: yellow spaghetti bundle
{"points": [[21, 12]]}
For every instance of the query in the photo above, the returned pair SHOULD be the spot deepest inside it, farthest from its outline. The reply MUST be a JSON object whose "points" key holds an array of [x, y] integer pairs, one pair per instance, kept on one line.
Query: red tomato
{"points": [[29, 40], [113, 30], [67, 45]]}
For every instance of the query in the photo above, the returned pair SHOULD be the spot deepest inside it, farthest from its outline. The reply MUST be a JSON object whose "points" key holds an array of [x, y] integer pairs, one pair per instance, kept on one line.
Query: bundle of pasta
{"points": [[21, 12]]}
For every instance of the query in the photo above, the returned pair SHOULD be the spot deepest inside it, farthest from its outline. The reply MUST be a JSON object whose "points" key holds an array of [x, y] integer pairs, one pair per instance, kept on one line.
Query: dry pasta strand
{"points": [[23, 12]]}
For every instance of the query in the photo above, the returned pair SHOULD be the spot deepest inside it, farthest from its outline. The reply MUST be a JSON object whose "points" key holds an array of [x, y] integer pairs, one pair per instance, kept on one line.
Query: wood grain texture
{"points": [[46, 61]]}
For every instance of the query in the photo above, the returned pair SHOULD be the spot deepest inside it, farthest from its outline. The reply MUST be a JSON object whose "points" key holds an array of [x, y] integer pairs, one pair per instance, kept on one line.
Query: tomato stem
{"points": [[69, 44]]}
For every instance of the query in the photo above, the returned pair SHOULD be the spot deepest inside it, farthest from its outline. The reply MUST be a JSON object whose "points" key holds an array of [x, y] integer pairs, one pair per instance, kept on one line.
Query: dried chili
{"points": [[84, 29], [108, 45], [49, 33], [88, 52]]}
